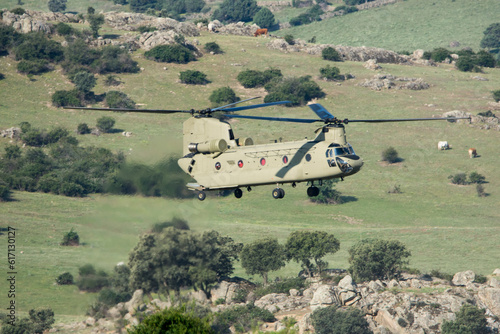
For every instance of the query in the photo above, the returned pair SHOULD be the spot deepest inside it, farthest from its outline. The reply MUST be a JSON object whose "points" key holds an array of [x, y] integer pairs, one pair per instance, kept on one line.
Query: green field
{"points": [[446, 227]]}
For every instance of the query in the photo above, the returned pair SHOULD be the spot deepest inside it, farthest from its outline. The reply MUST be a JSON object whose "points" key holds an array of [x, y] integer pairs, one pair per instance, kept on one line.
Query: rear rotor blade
{"points": [[321, 111], [253, 106], [279, 119], [403, 119]]}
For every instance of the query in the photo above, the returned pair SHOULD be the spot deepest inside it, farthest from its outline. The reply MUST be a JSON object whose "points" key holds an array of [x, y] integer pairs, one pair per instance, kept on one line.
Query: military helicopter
{"points": [[218, 161]]}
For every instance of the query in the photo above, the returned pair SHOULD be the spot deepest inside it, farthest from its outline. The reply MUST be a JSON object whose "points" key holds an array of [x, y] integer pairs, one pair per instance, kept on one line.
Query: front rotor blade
{"points": [[154, 111], [232, 104], [405, 119], [321, 111], [253, 106], [279, 119]]}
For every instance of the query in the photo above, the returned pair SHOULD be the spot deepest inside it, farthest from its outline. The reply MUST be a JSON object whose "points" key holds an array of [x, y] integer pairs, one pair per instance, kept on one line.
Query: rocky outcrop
{"points": [[387, 81], [239, 28], [12, 133], [481, 122]]}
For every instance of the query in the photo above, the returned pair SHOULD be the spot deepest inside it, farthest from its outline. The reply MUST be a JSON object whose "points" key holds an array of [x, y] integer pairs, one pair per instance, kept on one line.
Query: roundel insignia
{"points": [[262, 161], [217, 165], [240, 163]]}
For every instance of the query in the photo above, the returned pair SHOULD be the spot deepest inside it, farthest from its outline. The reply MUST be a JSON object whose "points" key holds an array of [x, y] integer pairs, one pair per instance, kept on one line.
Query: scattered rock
{"points": [[371, 64], [463, 278], [12, 133]]}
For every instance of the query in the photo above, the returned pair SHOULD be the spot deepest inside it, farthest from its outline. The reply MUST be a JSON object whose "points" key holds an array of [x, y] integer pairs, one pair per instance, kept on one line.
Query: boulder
{"points": [[491, 299], [137, 300], [371, 64], [496, 272], [463, 278], [12, 133], [324, 296]]}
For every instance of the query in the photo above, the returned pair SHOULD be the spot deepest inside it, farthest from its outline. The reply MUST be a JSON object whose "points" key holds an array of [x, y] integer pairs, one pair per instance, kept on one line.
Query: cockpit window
{"points": [[351, 150], [342, 150]]}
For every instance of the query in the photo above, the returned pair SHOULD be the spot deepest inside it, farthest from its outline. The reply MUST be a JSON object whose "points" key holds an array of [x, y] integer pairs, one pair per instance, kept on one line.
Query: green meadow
{"points": [[446, 227]]}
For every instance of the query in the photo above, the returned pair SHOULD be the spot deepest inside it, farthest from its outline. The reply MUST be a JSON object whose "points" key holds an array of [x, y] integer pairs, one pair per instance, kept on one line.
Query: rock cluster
{"points": [[412, 304], [387, 81], [481, 122], [238, 28]]}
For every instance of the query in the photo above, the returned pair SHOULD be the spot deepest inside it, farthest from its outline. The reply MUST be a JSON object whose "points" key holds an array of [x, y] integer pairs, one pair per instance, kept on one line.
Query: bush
{"points": [[491, 38], [439, 274], [331, 54], [66, 98], [496, 95], [213, 47], [171, 54], [289, 39], [71, 239], [222, 96], [173, 320], [105, 123], [112, 80], [56, 134], [71, 189], [33, 66], [331, 73], [5, 193], [475, 177], [298, 91], [84, 81], [328, 194], [440, 54], [57, 5], [18, 11], [64, 279], [110, 297], [485, 59], [116, 99], [465, 64], [489, 113], [390, 155], [460, 178], [252, 78], [143, 29], [243, 318], [49, 183], [373, 259], [191, 77], [115, 59], [64, 29], [177, 223], [281, 286], [33, 137], [331, 320], [232, 11], [480, 191], [83, 129], [469, 319], [36, 46], [91, 280]]}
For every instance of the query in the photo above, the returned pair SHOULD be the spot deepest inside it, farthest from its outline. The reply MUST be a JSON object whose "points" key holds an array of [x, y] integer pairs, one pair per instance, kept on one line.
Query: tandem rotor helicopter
{"points": [[217, 160]]}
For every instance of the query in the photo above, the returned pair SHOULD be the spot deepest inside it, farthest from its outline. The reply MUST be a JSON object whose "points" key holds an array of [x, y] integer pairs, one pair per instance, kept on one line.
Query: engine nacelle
{"points": [[245, 141], [211, 146]]}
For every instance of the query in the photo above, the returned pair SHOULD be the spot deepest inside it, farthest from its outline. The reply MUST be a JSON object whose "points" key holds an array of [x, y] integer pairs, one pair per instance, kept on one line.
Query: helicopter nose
{"points": [[356, 164], [350, 164]]}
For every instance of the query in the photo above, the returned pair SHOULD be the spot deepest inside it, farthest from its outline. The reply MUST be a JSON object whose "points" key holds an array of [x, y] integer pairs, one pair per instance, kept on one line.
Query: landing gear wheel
{"points": [[312, 191], [238, 193], [201, 195], [278, 193]]}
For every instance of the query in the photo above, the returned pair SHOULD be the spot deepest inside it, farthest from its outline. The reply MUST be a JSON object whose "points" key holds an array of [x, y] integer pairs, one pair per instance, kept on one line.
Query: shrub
{"points": [[71, 239], [83, 129], [298, 91], [480, 191], [440, 54], [213, 47], [105, 123], [64, 29], [289, 39], [84, 81], [489, 113], [485, 59], [35, 67], [33, 137], [86, 270], [331, 73], [171, 54], [112, 80], [469, 319], [143, 29], [37, 46], [243, 318], [57, 5], [191, 77], [90, 279], [331, 54], [460, 178], [252, 78], [56, 134], [328, 194], [331, 320], [396, 189], [110, 297], [372, 259], [232, 11], [116, 99], [49, 183], [281, 286], [390, 155], [491, 38], [223, 95], [173, 320], [465, 64], [71, 189], [66, 98], [496, 95], [5, 193], [65, 279], [177, 223], [475, 177], [18, 11], [115, 59]]}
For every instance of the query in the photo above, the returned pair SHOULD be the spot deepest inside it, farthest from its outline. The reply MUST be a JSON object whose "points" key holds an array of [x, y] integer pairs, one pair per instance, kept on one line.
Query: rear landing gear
{"points": [[238, 193], [278, 193], [201, 195], [312, 191]]}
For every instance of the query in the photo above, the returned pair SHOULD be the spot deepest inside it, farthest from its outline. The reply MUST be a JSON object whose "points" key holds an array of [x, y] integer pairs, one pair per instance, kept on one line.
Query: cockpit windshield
{"points": [[341, 150]]}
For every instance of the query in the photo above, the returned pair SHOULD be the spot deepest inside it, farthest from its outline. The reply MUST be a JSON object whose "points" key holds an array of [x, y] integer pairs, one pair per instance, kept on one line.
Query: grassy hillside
{"points": [[407, 25], [446, 227]]}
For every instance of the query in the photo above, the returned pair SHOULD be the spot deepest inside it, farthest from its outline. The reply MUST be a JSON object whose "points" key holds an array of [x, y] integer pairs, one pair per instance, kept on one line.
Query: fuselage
{"points": [[327, 156]]}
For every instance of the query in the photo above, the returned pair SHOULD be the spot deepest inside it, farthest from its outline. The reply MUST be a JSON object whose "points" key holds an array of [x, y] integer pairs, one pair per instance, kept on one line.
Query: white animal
{"points": [[443, 145]]}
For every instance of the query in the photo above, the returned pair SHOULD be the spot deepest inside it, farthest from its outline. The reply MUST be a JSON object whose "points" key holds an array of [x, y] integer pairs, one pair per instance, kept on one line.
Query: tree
{"points": [[192, 77], [232, 11], [84, 81], [116, 99], [390, 155], [263, 256], [105, 123], [296, 90], [304, 246], [491, 38], [331, 320], [328, 194], [264, 18], [223, 95], [372, 259], [173, 320], [96, 21], [469, 320], [57, 5]]}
